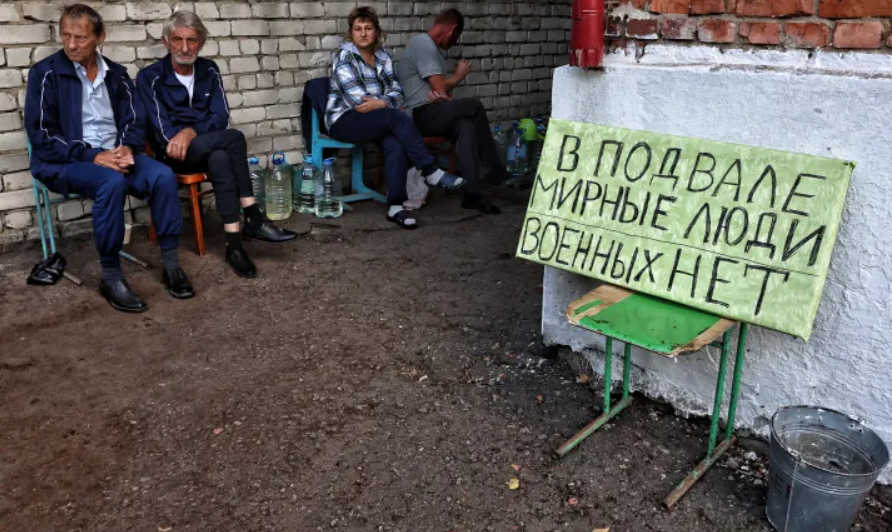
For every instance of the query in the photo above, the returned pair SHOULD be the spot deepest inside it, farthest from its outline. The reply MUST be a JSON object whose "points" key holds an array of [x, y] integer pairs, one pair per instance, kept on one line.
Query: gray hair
{"points": [[184, 19]]}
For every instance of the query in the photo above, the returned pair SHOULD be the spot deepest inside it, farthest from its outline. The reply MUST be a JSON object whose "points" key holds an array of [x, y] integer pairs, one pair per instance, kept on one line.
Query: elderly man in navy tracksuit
{"points": [[188, 121], [87, 132]]}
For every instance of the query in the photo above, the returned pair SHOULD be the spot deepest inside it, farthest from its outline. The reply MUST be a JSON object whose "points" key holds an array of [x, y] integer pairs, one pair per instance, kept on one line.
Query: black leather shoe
{"points": [[177, 283], [268, 233], [479, 203], [121, 297], [241, 263]]}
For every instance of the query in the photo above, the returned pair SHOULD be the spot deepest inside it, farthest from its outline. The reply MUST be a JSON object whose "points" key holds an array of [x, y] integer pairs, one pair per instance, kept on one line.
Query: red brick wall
{"points": [[841, 24]]}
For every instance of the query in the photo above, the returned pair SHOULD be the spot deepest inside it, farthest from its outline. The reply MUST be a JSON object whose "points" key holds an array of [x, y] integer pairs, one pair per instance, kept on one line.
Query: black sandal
{"points": [[402, 219]]}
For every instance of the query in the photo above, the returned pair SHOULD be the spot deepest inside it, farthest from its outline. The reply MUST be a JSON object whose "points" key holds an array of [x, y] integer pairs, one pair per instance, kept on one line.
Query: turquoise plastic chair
{"points": [[43, 200], [360, 191]]}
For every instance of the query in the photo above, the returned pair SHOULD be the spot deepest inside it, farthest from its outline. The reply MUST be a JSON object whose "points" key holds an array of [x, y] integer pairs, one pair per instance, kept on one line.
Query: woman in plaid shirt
{"points": [[364, 106]]}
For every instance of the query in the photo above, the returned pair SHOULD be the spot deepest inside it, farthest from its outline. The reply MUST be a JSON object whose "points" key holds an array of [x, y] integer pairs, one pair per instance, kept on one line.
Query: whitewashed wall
{"points": [[826, 104]]}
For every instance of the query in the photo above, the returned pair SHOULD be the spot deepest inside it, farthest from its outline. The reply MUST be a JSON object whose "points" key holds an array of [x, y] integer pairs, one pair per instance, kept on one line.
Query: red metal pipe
{"points": [[587, 33]]}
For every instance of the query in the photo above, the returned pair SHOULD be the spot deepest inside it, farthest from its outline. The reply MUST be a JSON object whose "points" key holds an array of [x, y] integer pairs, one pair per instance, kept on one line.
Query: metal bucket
{"points": [[823, 465]]}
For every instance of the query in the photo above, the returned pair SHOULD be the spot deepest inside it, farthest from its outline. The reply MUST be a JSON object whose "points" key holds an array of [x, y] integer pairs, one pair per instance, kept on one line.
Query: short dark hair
{"points": [[76, 11], [364, 13], [451, 17]]}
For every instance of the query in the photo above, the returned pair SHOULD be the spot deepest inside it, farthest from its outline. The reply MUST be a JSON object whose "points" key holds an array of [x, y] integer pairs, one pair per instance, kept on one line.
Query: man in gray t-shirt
{"points": [[420, 60], [428, 89]]}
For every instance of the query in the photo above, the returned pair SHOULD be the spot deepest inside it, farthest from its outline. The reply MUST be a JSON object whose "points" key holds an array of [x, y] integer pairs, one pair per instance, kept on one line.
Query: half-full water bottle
{"points": [[519, 165], [501, 137], [278, 189], [305, 199], [510, 151], [258, 181], [328, 195]]}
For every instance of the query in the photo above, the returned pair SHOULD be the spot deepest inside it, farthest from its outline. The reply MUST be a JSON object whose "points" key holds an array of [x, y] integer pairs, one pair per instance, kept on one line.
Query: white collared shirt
{"points": [[98, 117]]}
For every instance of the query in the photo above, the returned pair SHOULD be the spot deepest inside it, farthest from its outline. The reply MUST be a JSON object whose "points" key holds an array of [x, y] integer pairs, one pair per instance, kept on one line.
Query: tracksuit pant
{"points": [[148, 180]]}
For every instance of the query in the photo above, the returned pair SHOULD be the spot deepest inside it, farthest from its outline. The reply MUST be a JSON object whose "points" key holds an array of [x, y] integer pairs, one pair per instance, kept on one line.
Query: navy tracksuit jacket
{"points": [[54, 118], [167, 105], [62, 160]]}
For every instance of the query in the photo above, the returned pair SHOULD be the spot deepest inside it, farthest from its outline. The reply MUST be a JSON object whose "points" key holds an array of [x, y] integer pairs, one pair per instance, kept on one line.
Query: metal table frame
{"points": [[714, 449]]}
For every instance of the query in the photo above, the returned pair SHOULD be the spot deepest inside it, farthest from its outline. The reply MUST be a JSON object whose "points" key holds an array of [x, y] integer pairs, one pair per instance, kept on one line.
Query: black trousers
{"points": [[464, 121], [224, 156]]}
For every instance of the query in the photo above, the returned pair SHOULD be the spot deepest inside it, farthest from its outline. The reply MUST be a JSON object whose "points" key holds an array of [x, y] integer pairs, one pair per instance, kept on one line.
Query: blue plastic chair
{"points": [[43, 201], [360, 191]]}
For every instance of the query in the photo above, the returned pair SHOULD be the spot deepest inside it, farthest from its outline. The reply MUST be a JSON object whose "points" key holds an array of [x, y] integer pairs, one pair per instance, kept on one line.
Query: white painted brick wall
{"points": [[267, 51]]}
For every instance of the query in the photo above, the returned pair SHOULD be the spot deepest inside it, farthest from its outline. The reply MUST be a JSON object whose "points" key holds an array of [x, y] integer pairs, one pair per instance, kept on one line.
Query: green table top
{"points": [[648, 322]]}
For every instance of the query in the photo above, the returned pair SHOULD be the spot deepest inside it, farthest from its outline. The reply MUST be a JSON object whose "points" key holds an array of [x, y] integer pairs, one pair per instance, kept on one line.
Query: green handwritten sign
{"points": [[738, 231]]}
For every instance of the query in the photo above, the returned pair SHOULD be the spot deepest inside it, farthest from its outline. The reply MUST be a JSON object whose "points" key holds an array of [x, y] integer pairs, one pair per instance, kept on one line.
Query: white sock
{"points": [[435, 177], [394, 209]]}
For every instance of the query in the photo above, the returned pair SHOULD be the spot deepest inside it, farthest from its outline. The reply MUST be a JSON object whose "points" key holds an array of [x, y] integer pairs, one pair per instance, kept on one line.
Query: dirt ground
{"points": [[370, 379]]}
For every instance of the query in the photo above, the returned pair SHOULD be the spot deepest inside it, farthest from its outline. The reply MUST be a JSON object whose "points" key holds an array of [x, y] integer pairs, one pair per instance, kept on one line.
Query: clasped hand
{"points": [[436, 96], [370, 104], [119, 159]]}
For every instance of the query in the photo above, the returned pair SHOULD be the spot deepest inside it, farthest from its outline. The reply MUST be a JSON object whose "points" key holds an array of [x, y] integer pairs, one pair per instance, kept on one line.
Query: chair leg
{"points": [[37, 204], [153, 236], [317, 156], [48, 216], [360, 191], [195, 203]]}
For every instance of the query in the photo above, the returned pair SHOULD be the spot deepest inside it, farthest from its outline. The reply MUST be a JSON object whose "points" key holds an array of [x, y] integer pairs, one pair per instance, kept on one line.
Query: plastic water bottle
{"points": [[258, 181], [305, 198], [328, 195], [541, 131], [278, 189], [511, 151], [501, 138], [520, 164]]}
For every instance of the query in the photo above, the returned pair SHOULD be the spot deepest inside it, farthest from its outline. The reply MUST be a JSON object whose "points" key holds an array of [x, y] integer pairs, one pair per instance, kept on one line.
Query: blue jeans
{"points": [[148, 179], [399, 140]]}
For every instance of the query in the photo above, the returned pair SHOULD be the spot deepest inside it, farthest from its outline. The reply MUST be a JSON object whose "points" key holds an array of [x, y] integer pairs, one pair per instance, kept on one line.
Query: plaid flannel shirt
{"points": [[352, 78]]}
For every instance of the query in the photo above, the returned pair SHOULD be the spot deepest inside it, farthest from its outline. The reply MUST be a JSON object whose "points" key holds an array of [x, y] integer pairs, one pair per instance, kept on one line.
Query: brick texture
{"points": [[678, 7], [707, 7], [717, 31], [774, 8], [858, 35], [855, 8], [643, 28], [761, 32], [807, 34], [680, 29], [810, 24], [267, 51]]}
